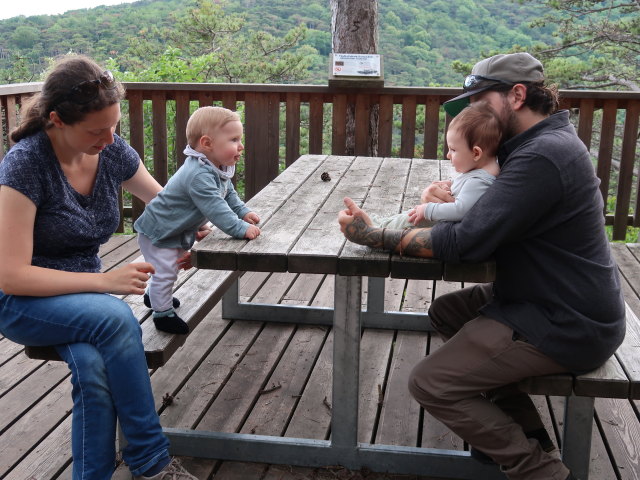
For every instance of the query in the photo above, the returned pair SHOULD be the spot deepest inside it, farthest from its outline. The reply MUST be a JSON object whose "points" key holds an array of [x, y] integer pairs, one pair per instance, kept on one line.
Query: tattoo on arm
{"points": [[359, 232], [419, 244], [418, 240], [391, 239]]}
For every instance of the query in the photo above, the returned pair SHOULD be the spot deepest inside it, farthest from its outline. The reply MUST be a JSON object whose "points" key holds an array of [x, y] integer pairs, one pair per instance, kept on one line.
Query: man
{"points": [[556, 304]]}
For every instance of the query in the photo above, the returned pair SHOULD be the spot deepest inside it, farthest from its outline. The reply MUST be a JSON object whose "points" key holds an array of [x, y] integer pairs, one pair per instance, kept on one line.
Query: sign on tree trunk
{"points": [[354, 26]]}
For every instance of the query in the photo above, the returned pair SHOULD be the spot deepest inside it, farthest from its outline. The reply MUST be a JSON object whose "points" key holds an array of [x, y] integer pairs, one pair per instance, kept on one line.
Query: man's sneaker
{"points": [[173, 471], [541, 435], [171, 323], [147, 301]]}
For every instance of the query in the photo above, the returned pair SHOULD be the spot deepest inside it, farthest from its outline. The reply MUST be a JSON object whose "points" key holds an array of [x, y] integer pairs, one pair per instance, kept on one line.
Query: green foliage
{"points": [[418, 38], [599, 38], [632, 233], [206, 44], [19, 71], [424, 42], [24, 37]]}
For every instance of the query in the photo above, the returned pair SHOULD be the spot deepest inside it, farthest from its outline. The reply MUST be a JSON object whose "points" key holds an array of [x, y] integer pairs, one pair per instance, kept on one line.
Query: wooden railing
{"points": [[284, 121]]}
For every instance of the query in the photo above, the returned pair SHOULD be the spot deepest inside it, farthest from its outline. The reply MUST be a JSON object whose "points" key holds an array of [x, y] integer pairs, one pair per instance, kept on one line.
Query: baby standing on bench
{"points": [[200, 191]]}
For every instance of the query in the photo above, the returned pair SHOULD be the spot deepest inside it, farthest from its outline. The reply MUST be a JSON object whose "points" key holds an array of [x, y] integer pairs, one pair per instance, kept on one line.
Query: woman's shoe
{"points": [[173, 471]]}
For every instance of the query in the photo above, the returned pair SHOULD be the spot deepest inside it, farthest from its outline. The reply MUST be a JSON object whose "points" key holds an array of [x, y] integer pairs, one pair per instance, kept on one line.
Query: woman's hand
{"points": [[438, 192], [130, 279]]}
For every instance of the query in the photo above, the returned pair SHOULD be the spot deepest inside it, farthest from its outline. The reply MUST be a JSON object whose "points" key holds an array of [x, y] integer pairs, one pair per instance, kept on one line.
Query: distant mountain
{"points": [[418, 38]]}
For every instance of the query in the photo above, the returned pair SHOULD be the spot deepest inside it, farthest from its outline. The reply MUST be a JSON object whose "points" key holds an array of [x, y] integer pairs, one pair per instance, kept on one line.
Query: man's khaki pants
{"points": [[481, 361]]}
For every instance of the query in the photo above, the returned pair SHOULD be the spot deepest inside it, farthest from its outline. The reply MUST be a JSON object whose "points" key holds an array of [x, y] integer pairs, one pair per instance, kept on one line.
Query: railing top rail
{"points": [[287, 88], [20, 88]]}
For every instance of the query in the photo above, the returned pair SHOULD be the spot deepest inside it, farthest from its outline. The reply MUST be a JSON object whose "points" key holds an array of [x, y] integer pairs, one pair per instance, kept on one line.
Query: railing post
{"points": [[262, 116], [136, 139], [182, 116], [292, 128], [160, 154]]}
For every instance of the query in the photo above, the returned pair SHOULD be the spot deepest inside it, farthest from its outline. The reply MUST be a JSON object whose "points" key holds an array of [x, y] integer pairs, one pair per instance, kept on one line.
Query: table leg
{"points": [[231, 301], [346, 362], [375, 295], [576, 439]]}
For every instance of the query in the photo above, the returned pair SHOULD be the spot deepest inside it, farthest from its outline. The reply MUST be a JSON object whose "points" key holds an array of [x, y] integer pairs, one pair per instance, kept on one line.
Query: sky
{"points": [[13, 8]]}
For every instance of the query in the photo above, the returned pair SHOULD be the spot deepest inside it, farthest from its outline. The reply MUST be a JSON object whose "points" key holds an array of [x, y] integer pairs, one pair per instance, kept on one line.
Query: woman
{"points": [[58, 203]]}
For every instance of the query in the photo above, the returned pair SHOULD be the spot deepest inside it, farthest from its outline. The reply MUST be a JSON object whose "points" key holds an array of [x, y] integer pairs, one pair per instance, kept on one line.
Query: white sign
{"points": [[356, 65]]}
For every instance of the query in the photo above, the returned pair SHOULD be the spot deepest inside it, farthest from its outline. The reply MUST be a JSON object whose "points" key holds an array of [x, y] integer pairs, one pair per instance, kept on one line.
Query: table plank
{"points": [[318, 248], [628, 352], [269, 252], [422, 173], [219, 251], [385, 197]]}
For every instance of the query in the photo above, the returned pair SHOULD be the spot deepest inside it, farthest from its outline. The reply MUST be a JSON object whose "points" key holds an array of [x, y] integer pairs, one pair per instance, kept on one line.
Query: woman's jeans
{"points": [[101, 341]]}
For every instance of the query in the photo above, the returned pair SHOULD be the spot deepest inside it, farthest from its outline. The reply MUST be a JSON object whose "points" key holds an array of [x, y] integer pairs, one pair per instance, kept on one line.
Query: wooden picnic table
{"points": [[300, 234]]}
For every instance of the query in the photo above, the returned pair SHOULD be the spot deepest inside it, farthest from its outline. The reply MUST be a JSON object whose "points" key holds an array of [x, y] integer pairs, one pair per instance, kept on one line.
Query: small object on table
{"points": [[325, 177]]}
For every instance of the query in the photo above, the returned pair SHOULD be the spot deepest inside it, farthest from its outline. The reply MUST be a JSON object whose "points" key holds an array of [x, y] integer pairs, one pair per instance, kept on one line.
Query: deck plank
{"points": [[8, 350], [14, 370], [620, 425], [434, 433], [26, 395], [34, 428], [401, 413]]}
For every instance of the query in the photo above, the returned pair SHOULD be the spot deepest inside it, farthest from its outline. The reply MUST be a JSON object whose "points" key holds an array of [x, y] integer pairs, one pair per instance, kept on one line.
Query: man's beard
{"points": [[509, 119]]}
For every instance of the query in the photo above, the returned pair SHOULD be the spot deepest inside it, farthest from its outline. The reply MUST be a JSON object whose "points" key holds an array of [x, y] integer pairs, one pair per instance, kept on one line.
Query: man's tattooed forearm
{"points": [[359, 232], [391, 239], [418, 240], [419, 243]]}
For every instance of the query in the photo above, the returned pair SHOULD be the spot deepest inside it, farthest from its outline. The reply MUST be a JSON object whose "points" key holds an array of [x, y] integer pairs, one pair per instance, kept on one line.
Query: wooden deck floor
{"points": [[274, 379]]}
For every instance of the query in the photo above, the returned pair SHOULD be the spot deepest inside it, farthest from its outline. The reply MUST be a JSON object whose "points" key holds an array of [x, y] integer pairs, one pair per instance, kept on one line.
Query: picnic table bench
{"points": [[200, 289]]}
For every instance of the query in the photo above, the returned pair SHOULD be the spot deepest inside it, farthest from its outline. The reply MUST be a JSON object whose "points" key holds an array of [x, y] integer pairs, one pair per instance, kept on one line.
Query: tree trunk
{"points": [[354, 29]]}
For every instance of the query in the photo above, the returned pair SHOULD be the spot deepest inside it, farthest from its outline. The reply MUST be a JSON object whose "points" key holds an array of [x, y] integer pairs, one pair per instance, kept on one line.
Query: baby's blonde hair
{"points": [[206, 120]]}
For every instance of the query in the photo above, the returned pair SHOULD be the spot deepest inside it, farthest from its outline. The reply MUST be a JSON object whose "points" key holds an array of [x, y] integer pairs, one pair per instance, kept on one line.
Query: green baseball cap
{"points": [[503, 69]]}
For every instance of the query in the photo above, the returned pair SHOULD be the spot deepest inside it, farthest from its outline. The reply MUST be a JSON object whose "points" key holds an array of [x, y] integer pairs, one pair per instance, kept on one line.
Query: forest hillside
{"points": [[418, 38]]}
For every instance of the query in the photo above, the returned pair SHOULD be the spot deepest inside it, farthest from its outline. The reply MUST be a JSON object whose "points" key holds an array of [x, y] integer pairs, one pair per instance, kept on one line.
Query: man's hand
{"points": [[438, 192], [356, 225]]}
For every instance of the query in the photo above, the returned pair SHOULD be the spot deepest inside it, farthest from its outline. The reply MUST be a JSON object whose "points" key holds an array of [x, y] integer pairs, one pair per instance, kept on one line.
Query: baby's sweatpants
{"points": [[165, 262]]}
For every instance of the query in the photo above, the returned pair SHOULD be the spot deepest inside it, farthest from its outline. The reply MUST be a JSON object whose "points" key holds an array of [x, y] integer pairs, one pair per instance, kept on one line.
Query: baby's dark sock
{"points": [[147, 301]]}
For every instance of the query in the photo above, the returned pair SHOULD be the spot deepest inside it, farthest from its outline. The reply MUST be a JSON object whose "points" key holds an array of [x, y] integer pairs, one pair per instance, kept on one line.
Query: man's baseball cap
{"points": [[503, 69]]}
